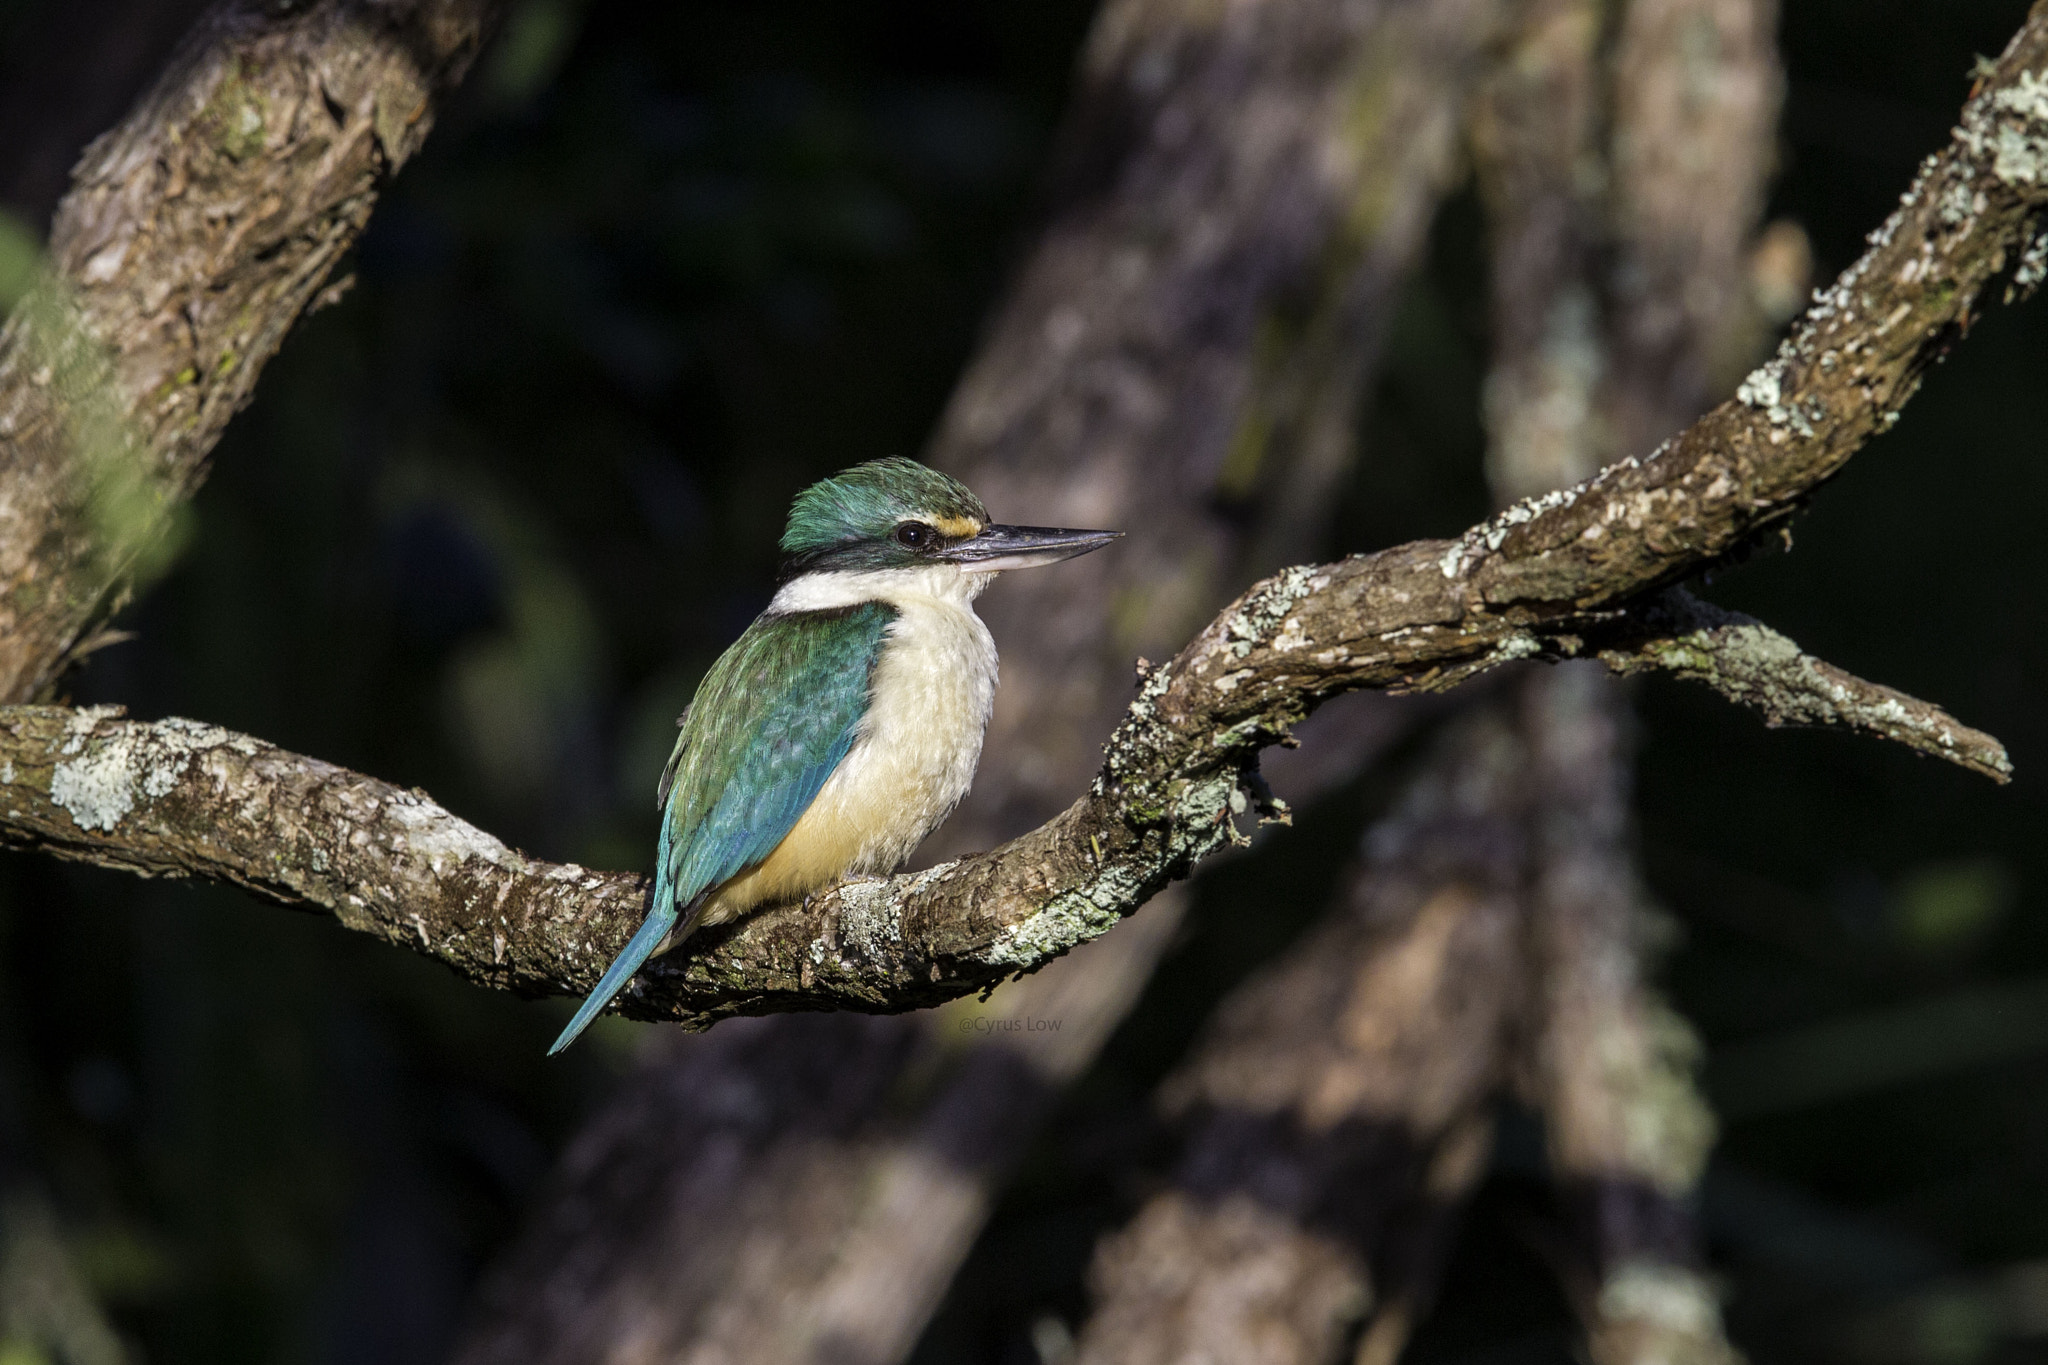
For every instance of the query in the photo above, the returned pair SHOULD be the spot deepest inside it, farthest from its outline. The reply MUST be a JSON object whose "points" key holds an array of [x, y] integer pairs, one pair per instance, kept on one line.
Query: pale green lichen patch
{"points": [[1669, 1129], [1764, 385], [1154, 687], [2019, 156], [2027, 97], [1490, 535], [97, 788], [1069, 919], [1266, 607], [2033, 267], [1197, 821], [1765, 390], [1520, 645], [81, 724], [235, 118], [1957, 203], [871, 914], [102, 778], [427, 830]]}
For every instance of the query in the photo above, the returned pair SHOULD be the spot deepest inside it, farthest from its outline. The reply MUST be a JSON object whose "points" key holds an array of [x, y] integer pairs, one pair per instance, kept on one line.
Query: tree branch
{"points": [[195, 234], [1752, 665], [1541, 578]]}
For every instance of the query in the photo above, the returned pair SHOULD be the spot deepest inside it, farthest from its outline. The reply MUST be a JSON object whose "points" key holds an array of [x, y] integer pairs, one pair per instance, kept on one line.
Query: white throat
{"points": [[824, 589]]}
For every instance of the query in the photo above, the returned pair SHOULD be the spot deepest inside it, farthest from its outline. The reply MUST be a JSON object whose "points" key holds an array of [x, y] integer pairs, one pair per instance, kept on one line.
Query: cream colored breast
{"points": [[914, 755], [921, 738]]}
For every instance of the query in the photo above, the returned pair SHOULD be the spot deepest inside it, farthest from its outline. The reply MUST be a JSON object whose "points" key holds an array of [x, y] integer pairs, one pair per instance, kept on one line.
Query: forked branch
{"points": [[1571, 573]]}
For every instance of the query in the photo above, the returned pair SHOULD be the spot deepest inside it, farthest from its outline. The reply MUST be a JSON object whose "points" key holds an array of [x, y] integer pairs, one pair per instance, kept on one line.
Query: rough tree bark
{"points": [[1310, 212], [194, 235], [1331, 1083], [1538, 135], [1556, 576], [1696, 92], [1607, 1062], [1566, 574], [1137, 365]]}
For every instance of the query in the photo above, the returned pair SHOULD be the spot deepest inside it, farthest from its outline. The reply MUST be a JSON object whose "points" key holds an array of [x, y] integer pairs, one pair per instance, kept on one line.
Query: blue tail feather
{"points": [[637, 951]]}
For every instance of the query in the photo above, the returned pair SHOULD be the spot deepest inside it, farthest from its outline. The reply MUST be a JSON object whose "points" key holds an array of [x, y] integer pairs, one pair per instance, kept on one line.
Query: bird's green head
{"points": [[899, 514]]}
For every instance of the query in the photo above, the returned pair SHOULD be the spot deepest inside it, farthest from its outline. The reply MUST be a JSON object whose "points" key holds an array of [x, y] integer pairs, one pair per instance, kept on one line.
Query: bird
{"points": [[845, 723]]}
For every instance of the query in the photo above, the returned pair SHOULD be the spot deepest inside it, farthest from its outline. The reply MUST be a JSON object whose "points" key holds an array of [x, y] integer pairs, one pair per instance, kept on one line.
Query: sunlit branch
{"points": [[1549, 577]]}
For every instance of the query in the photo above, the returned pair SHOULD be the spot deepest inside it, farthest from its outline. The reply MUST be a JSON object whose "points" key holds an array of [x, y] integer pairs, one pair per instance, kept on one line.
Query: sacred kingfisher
{"points": [[845, 723]]}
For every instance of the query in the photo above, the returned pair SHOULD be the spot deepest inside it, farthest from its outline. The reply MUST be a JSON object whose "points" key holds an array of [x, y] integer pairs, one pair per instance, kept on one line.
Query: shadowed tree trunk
{"points": [[193, 235], [73, 73], [1339, 1093], [1693, 100], [1242, 191], [1344, 1095]]}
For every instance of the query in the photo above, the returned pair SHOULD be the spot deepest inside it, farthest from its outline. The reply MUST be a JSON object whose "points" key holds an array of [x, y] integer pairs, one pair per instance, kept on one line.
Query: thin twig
{"points": [[1752, 665]]}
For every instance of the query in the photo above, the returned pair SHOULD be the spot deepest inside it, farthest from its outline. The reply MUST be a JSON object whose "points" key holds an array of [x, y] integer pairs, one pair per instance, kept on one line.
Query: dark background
{"points": [[495, 511]]}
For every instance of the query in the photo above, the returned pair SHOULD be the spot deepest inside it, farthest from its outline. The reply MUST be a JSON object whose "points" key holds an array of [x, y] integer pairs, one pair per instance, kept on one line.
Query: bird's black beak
{"points": [[1023, 547]]}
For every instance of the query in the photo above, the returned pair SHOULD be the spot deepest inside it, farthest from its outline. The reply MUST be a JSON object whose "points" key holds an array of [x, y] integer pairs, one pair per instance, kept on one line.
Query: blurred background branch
{"points": [[194, 234]]}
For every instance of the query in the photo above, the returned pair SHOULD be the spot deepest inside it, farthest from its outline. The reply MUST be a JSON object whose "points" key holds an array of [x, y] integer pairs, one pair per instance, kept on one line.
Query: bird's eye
{"points": [[915, 535]]}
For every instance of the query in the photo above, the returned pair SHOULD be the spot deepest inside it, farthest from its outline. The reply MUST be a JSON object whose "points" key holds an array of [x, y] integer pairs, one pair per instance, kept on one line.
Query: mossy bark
{"points": [[195, 234]]}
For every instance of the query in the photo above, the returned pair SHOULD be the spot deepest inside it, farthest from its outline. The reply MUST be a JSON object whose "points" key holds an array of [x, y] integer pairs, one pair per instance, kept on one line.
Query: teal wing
{"points": [[768, 725]]}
